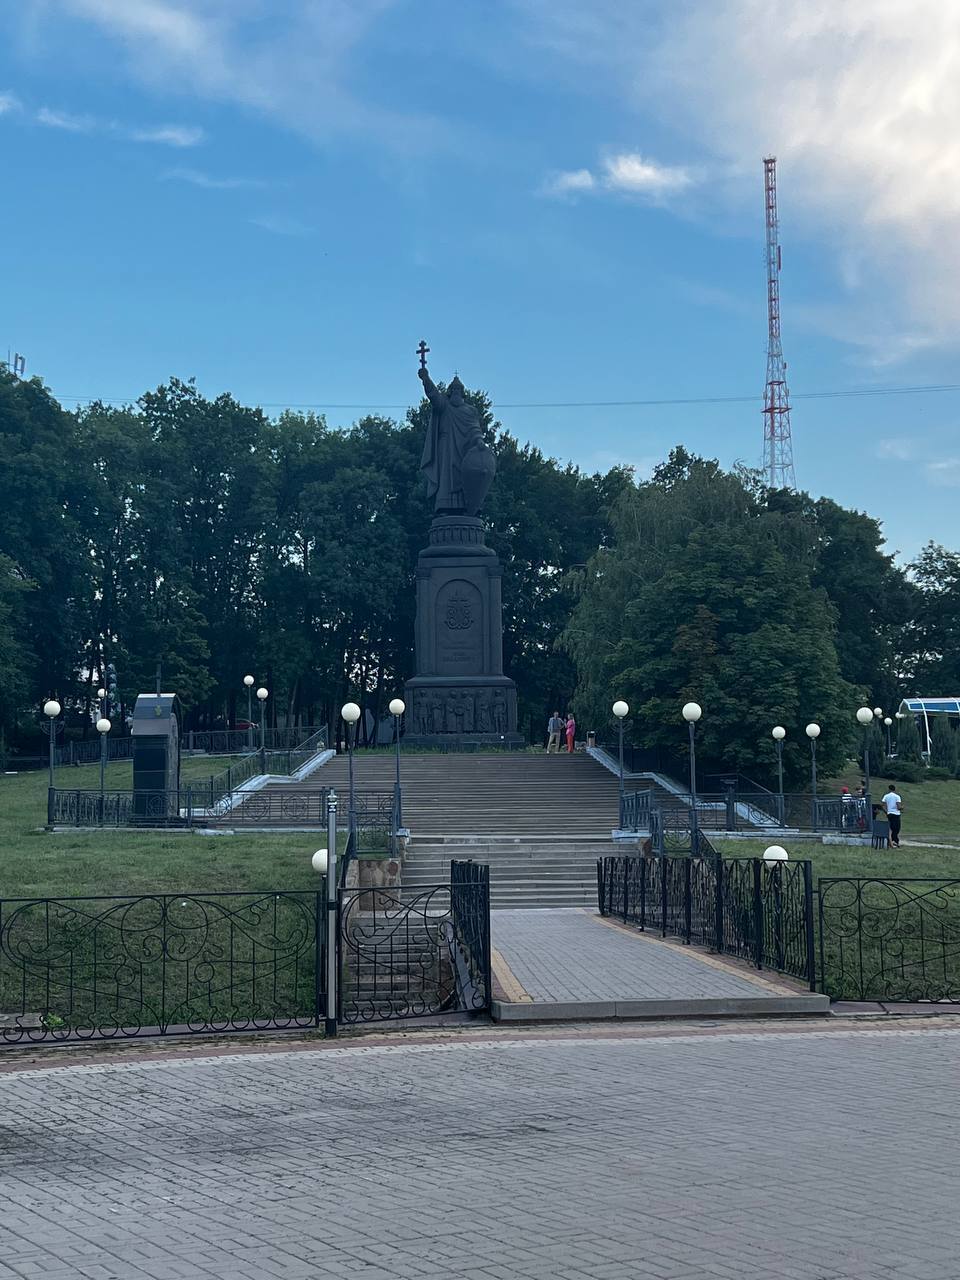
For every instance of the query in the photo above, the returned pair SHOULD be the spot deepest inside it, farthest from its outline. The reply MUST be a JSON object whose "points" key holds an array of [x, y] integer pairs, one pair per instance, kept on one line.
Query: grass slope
{"points": [[38, 863]]}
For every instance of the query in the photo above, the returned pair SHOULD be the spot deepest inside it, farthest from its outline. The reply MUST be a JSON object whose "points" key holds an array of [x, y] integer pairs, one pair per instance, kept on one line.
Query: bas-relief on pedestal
{"points": [[459, 690]]}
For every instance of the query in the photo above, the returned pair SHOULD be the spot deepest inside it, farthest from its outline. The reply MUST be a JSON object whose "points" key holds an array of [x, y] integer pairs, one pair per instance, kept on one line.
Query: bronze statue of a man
{"points": [[456, 460]]}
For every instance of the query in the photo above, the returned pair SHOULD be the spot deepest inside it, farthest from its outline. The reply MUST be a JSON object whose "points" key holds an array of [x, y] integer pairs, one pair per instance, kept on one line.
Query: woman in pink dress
{"points": [[571, 731]]}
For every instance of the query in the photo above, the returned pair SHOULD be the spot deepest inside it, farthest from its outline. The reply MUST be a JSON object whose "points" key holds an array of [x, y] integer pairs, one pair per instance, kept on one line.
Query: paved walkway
{"points": [[798, 1155], [574, 964]]}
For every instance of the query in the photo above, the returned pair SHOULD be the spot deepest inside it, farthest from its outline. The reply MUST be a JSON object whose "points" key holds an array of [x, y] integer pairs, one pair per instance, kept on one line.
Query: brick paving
{"points": [[566, 955], [825, 1155]]}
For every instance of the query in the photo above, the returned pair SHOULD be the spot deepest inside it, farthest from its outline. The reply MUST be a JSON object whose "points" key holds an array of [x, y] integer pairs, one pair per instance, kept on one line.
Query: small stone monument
{"points": [[459, 691], [156, 757]]}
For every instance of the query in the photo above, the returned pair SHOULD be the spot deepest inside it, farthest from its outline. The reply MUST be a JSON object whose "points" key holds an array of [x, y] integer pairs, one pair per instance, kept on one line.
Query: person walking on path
{"points": [[571, 732], [554, 729], [893, 807]]}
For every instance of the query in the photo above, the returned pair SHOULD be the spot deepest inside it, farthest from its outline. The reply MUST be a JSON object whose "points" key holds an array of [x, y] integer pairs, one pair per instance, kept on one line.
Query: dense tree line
{"points": [[204, 535]]}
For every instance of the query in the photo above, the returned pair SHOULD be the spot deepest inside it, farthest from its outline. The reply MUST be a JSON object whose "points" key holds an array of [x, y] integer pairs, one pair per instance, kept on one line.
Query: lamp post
{"points": [[779, 733], [813, 733], [774, 858], [350, 714], [103, 728], [888, 722], [878, 712], [865, 717], [101, 695], [262, 695], [249, 682], [51, 709], [692, 713], [620, 710], [324, 862], [397, 708]]}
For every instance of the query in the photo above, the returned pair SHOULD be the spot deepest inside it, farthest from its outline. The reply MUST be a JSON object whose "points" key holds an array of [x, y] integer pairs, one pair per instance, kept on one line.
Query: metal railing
{"points": [[890, 939], [635, 807], [190, 806], [228, 742], [735, 906], [160, 964]]}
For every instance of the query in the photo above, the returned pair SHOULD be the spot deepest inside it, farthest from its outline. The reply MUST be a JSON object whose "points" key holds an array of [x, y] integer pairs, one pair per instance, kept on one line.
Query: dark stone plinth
{"points": [[459, 690]]}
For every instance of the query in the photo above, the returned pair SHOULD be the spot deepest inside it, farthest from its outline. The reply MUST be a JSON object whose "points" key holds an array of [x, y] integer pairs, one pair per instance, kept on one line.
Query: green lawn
{"points": [[34, 862], [854, 860], [929, 809]]}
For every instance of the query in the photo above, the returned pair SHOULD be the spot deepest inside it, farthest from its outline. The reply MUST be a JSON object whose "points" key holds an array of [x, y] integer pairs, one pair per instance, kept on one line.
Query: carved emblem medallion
{"points": [[459, 615]]}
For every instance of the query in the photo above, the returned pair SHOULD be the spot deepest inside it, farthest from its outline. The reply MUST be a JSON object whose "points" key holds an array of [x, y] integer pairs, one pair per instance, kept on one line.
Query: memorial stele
{"points": [[459, 691]]}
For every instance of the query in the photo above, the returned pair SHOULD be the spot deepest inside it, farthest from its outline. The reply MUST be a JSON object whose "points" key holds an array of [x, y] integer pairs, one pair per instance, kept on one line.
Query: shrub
{"points": [[936, 773], [904, 771], [943, 744], [908, 739]]}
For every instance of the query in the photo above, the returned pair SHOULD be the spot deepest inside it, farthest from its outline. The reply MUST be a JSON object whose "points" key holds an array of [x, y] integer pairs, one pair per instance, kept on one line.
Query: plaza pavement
{"points": [[571, 964], [617, 1153]]}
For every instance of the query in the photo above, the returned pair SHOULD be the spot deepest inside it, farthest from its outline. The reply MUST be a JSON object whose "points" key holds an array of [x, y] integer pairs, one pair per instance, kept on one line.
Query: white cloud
{"points": [[569, 182], [945, 472], [65, 120], [9, 102], [289, 61], [858, 99], [281, 225], [165, 135], [898, 449], [628, 173], [197, 178], [632, 173], [170, 135]]}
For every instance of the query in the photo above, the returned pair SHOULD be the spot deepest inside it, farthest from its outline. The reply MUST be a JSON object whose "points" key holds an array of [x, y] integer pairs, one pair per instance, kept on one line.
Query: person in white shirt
{"points": [[893, 807]]}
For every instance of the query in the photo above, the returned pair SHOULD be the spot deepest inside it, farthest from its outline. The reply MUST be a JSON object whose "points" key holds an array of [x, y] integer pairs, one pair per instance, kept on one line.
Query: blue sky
{"points": [[280, 197]]}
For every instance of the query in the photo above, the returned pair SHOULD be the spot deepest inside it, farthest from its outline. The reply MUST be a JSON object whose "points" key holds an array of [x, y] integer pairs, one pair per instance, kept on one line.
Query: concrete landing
{"points": [[567, 965]]}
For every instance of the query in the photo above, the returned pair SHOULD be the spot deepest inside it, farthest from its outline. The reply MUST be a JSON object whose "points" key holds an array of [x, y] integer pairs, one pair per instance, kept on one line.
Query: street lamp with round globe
{"points": [[813, 733], [865, 717], [319, 862], [103, 728], [779, 733], [878, 712], [262, 695], [888, 723], [397, 707], [691, 712], [51, 709], [775, 854], [620, 709], [350, 714], [249, 682]]}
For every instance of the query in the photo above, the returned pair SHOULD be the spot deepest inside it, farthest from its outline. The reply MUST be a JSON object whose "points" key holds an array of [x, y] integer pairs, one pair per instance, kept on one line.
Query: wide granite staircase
{"points": [[539, 821]]}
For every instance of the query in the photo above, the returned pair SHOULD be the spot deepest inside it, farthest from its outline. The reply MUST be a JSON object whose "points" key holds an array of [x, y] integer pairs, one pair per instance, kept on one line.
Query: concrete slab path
{"points": [[563, 964]]}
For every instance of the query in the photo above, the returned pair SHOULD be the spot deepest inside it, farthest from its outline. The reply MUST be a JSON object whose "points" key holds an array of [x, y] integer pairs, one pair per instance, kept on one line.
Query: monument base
{"points": [[478, 710]]}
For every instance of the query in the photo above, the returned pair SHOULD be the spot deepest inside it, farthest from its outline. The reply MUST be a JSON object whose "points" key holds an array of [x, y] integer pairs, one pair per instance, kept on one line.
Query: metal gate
{"points": [[416, 953]]}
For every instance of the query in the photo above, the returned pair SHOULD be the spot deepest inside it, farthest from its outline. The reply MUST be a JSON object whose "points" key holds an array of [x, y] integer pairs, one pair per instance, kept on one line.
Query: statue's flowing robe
{"points": [[452, 431]]}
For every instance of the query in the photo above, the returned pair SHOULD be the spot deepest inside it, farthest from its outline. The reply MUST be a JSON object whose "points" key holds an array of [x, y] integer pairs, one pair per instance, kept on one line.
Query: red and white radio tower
{"points": [[777, 441]]}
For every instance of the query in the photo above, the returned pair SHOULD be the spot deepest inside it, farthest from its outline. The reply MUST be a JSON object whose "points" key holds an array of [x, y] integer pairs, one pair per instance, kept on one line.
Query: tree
{"points": [[908, 739], [706, 594], [943, 744], [936, 573]]}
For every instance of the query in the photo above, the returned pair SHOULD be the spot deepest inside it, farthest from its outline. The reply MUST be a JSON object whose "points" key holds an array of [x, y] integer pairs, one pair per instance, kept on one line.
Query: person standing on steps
{"points": [[571, 729], [554, 729], [893, 807]]}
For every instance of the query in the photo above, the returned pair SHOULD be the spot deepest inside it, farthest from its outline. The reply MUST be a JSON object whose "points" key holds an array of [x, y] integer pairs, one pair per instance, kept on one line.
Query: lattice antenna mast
{"points": [[777, 440]]}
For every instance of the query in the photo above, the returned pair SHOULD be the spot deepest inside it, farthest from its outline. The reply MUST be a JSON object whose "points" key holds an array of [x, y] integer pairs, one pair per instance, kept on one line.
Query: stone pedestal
{"points": [[460, 691]]}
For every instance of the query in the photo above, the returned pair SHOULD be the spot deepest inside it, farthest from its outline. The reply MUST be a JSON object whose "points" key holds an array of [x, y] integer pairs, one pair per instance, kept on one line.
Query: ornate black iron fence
{"points": [[890, 939], [236, 741], [741, 811], [735, 906], [418, 956], [191, 807], [159, 964], [635, 809]]}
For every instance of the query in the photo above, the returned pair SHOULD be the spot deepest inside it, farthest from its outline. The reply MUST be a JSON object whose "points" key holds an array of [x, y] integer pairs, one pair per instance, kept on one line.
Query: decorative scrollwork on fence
{"points": [[414, 958], [890, 939], [83, 968]]}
